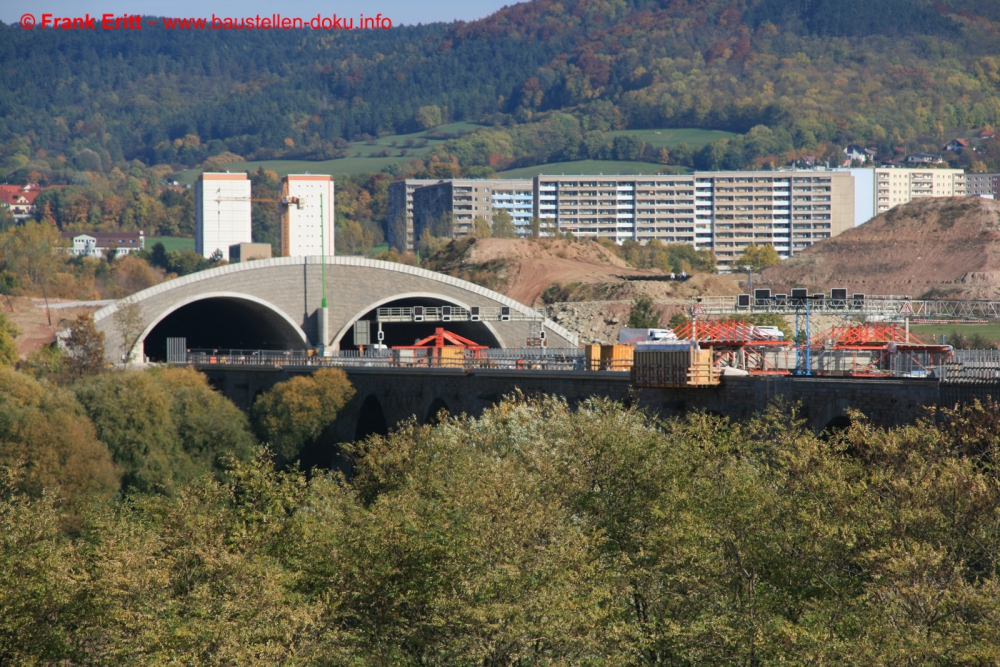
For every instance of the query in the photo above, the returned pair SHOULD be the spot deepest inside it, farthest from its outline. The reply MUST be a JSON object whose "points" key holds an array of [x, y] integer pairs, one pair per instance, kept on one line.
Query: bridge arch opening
{"points": [[224, 321], [434, 412], [406, 333], [371, 419], [836, 425]]}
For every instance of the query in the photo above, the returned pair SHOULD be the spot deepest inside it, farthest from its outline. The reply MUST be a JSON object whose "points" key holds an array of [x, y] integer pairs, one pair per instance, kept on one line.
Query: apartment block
{"points": [[399, 222], [307, 218], [621, 208], [465, 200], [899, 186], [221, 212], [790, 210], [982, 185]]}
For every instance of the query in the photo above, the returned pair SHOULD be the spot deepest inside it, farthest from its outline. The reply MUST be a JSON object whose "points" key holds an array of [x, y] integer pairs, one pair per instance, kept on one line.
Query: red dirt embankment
{"points": [[530, 267], [930, 248]]}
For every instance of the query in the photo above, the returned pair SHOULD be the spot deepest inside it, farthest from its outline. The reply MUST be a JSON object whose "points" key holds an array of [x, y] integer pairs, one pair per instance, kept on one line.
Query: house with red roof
{"points": [[19, 199]]}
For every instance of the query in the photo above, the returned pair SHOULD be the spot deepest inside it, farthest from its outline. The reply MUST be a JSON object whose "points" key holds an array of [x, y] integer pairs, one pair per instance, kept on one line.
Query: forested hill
{"points": [[815, 72]]}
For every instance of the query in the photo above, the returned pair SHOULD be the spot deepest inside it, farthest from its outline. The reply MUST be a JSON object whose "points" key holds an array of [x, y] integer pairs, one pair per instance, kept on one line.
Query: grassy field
{"points": [[361, 155], [929, 333], [668, 138], [364, 156], [170, 243], [593, 168]]}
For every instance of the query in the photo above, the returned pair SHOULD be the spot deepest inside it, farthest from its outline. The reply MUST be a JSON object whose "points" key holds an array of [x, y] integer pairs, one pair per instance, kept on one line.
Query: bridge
{"points": [[277, 304], [387, 395], [872, 307]]}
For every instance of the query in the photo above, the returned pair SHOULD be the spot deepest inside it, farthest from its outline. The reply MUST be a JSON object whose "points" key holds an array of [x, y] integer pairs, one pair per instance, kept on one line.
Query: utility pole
{"points": [[323, 323]]}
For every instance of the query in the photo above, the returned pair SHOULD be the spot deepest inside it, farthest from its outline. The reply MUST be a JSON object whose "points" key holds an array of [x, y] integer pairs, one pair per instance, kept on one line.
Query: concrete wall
{"points": [[291, 287]]}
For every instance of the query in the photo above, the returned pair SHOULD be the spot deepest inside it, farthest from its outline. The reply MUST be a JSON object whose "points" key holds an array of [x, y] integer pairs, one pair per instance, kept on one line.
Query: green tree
{"points": [[295, 413], [428, 117], [503, 225], [643, 314], [8, 344], [165, 428]]}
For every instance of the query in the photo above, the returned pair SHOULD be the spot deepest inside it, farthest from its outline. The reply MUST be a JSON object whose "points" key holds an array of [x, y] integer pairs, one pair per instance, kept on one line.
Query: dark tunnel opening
{"points": [[223, 323], [406, 333]]}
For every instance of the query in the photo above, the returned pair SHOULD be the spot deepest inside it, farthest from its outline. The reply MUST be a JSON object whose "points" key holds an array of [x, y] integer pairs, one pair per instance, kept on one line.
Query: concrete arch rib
{"points": [[262, 265], [233, 296], [407, 295]]}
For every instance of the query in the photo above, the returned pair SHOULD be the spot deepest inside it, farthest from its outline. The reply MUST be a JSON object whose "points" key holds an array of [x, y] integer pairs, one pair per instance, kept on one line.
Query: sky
{"points": [[400, 11]]}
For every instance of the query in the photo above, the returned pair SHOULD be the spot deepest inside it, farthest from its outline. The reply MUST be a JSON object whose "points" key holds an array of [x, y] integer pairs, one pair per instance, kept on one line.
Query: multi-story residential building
{"points": [[639, 208], [221, 212], [399, 222], [307, 218], [720, 211], [982, 185], [464, 200], [898, 186]]}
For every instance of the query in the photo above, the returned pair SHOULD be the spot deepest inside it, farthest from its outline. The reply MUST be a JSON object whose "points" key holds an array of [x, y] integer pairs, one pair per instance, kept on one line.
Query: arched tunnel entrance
{"points": [[224, 322], [406, 333]]}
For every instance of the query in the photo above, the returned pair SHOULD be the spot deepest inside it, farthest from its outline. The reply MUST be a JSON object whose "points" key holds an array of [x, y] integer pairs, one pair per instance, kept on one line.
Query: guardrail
{"points": [[891, 306], [960, 367], [531, 358]]}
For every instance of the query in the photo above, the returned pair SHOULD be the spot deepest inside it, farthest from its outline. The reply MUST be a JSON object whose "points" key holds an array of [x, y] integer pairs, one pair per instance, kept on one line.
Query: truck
{"points": [[633, 336]]}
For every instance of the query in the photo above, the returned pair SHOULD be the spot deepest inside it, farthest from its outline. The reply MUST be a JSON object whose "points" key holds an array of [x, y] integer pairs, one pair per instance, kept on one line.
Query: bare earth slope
{"points": [[530, 267], [931, 248]]}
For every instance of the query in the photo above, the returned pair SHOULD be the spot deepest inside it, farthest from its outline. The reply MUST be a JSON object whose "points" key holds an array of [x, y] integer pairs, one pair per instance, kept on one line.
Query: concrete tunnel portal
{"points": [[224, 322], [406, 333]]}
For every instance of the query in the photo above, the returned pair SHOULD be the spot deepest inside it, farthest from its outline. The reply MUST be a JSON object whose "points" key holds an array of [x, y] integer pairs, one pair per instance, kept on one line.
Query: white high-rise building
{"points": [[307, 222], [221, 212]]}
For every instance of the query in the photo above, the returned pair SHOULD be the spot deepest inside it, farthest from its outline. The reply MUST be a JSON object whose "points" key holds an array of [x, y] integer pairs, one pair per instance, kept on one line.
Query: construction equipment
{"points": [[443, 348]]}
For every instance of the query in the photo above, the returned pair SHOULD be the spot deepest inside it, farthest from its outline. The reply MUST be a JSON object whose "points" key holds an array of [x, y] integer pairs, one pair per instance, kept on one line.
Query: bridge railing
{"points": [[961, 366], [531, 358]]}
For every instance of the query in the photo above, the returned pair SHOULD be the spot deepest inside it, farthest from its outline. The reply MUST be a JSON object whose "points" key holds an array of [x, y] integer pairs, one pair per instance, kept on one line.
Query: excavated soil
{"points": [[587, 268], [929, 248], [29, 316]]}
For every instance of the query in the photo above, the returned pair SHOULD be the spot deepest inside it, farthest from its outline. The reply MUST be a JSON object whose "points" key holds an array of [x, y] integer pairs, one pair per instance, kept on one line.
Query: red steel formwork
{"points": [[877, 348], [734, 343]]}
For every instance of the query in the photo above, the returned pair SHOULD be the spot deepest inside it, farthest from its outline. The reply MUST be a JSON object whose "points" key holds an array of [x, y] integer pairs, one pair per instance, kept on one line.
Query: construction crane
{"points": [[284, 201]]}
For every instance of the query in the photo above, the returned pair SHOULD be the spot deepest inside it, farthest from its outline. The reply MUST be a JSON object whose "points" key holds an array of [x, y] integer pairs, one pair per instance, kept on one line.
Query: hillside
{"points": [[556, 79], [930, 248], [550, 270]]}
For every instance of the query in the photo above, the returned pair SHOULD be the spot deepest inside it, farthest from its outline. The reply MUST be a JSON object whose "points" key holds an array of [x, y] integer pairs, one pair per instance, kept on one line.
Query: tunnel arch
{"points": [[836, 425], [371, 419], [437, 405], [252, 323], [421, 298]]}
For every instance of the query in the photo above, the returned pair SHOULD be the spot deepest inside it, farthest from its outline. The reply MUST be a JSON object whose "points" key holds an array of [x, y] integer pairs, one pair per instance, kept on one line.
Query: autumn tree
{"points": [[129, 324], [503, 225], [85, 347], [758, 257], [296, 412], [480, 228], [32, 251]]}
